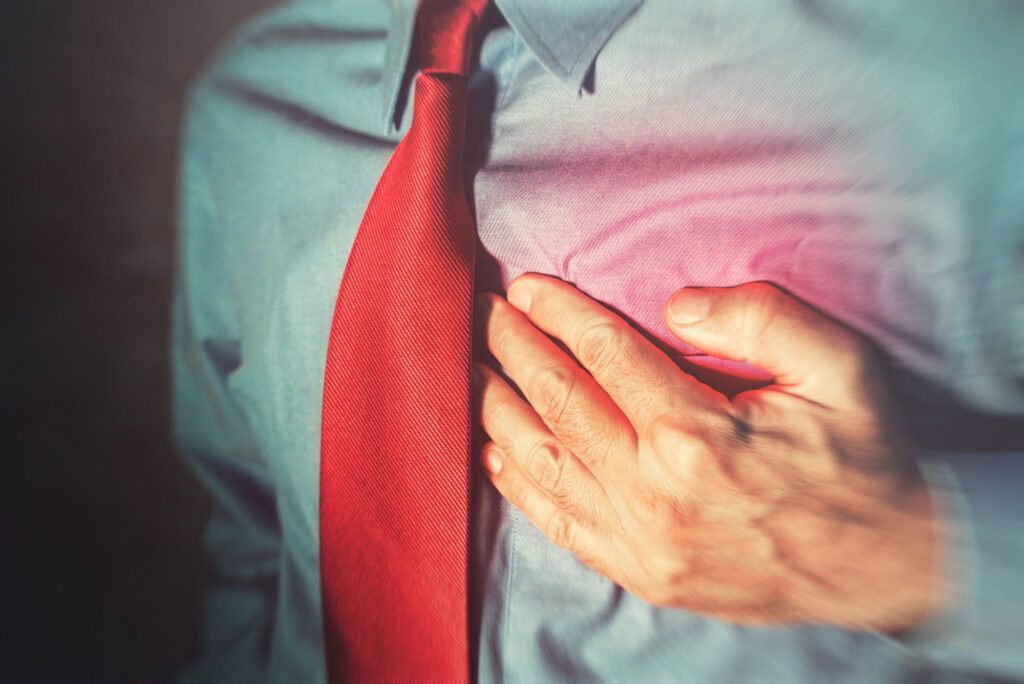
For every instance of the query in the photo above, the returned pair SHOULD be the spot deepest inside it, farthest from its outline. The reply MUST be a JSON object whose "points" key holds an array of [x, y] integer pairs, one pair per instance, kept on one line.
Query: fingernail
{"points": [[689, 305], [493, 459], [519, 296]]}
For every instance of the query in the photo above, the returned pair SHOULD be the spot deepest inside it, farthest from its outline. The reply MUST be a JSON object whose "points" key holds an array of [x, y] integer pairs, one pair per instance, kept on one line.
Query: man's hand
{"points": [[800, 501]]}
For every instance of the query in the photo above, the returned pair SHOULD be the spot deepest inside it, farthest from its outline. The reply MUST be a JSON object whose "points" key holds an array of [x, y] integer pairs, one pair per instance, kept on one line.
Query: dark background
{"points": [[101, 570]]}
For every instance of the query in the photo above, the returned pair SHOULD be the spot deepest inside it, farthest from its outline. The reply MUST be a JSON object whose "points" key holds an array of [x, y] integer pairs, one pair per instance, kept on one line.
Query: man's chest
{"points": [[769, 152]]}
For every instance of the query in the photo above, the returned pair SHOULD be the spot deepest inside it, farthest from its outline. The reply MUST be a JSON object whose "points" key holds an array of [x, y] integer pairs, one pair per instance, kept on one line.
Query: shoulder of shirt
{"points": [[324, 64]]}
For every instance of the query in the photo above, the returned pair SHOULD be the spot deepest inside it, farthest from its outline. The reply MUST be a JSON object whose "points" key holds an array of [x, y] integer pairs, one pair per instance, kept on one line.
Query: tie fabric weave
{"points": [[395, 441]]}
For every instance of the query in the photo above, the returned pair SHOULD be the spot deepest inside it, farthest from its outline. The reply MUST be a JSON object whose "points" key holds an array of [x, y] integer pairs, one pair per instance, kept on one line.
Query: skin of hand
{"points": [[800, 502]]}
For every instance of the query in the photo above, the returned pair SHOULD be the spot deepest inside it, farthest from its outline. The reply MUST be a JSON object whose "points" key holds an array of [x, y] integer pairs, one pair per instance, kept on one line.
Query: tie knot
{"points": [[445, 32]]}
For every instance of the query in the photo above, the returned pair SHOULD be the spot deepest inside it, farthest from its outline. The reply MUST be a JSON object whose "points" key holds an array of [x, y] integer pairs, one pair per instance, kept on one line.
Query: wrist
{"points": [[918, 547]]}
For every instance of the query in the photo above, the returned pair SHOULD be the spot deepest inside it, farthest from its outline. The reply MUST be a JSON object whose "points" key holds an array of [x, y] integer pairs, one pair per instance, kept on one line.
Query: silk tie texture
{"points": [[395, 442]]}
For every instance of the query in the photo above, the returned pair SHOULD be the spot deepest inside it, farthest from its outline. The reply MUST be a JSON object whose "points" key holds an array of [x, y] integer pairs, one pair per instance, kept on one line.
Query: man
{"points": [[863, 157]]}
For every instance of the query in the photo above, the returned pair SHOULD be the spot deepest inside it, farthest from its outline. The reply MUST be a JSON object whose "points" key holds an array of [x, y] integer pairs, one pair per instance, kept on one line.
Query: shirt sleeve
{"points": [[980, 631], [979, 481], [242, 541]]}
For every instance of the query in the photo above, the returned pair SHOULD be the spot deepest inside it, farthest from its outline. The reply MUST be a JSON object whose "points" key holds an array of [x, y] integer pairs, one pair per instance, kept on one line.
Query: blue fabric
{"points": [[867, 156]]}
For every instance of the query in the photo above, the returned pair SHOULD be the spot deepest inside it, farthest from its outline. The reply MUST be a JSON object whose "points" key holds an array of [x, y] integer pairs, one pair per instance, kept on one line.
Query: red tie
{"points": [[395, 445]]}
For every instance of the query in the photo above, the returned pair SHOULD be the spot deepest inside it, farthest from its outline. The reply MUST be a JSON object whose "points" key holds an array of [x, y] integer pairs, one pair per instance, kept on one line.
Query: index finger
{"points": [[638, 376]]}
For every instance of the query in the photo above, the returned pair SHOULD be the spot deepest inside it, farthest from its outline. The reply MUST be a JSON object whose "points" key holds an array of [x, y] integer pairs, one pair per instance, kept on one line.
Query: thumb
{"points": [[809, 353]]}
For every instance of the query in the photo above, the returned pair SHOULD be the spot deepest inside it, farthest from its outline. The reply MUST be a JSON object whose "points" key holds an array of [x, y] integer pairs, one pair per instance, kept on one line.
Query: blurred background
{"points": [[101, 522]]}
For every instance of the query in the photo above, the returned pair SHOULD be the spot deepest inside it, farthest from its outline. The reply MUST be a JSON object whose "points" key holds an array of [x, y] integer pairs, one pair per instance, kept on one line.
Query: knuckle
{"points": [[690, 458], [661, 514], [647, 506], [763, 303], [545, 464], [600, 344], [550, 389], [561, 528], [569, 499], [676, 441]]}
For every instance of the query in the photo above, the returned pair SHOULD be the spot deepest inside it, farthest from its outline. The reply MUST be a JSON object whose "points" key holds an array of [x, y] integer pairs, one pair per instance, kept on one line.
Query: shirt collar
{"points": [[564, 36]]}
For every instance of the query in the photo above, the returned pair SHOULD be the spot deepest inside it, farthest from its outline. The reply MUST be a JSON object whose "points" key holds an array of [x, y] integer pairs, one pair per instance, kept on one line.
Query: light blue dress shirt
{"points": [[867, 156]]}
